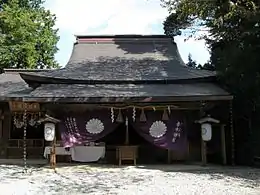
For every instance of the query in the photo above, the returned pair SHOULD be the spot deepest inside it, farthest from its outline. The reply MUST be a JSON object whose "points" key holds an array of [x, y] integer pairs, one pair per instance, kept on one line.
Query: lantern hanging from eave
{"points": [[206, 131], [206, 127], [49, 131]]}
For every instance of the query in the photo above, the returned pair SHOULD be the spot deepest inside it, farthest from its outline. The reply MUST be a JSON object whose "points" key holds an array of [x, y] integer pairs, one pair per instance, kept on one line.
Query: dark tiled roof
{"points": [[112, 60], [12, 85], [60, 91], [109, 58]]}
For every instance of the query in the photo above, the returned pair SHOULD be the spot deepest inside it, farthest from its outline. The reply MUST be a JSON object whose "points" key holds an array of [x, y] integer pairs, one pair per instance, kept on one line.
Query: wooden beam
{"points": [[48, 118], [85, 107], [133, 100]]}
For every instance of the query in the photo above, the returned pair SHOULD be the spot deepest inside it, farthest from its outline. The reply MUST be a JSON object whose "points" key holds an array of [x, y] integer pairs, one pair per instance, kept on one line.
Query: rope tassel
{"points": [[142, 116], [165, 116], [119, 118]]}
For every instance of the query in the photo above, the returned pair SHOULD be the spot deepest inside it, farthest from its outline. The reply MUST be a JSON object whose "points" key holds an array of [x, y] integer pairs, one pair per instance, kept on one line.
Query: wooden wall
{"points": [[5, 125], [13, 148], [10, 148]]}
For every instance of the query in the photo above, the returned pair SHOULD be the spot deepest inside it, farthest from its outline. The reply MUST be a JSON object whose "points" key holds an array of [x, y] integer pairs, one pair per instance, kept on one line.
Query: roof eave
{"points": [[164, 99], [36, 80]]}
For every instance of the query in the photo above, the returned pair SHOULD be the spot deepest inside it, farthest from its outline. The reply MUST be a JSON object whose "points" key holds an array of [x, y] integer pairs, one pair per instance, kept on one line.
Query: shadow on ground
{"points": [[248, 174]]}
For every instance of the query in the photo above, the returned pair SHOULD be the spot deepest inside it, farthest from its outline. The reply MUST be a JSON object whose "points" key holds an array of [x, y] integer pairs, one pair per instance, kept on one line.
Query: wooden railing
{"points": [[30, 143], [34, 148]]}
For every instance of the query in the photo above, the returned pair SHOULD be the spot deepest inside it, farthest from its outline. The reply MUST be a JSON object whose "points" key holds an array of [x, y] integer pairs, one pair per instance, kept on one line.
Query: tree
{"points": [[191, 63], [233, 36], [207, 66], [27, 35]]}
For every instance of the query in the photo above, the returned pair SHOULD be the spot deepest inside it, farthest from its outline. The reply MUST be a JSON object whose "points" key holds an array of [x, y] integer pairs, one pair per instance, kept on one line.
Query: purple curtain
{"points": [[96, 124], [89, 127], [168, 134]]}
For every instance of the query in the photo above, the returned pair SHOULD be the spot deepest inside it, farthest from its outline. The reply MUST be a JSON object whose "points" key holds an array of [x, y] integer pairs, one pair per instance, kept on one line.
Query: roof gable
{"points": [[115, 68], [123, 58]]}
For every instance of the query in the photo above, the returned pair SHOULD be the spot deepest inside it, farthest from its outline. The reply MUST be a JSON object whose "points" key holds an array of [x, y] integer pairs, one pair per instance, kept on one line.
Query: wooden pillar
{"points": [[2, 141], [53, 154], [1, 129], [188, 152], [223, 145], [7, 125], [203, 143], [25, 119], [169, 156], [1, 132], [1, 123], [232, 133], [127, 132], [203, 152]]}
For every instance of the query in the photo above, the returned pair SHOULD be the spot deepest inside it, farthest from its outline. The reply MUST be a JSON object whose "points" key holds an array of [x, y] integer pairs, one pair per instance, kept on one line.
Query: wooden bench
{"points": [[127, 153]]}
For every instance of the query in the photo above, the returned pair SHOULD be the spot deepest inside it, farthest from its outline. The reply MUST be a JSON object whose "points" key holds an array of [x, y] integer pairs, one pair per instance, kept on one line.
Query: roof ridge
{"points": [[124, 36], [119, 39], [18, 70]]}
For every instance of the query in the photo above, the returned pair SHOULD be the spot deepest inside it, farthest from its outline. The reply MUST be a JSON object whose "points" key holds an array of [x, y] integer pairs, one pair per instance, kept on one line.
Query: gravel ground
{"points": [[143, 180]]}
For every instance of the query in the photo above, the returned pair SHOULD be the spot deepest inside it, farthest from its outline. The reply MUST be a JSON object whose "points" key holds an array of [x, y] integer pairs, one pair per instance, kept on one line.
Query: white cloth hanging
{"points": [[58, 151], [87, 153]]}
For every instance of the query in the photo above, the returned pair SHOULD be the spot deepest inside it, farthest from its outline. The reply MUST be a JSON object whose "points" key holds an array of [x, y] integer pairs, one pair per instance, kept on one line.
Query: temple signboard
{"points": [[18, 106]]}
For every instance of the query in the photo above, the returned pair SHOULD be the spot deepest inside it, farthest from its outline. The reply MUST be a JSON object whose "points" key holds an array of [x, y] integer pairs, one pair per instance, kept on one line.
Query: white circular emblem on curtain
{"points": [[158, 129], [94, 126]]}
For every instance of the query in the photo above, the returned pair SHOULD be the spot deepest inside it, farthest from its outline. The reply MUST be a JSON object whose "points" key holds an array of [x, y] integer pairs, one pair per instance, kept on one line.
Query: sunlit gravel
{"points": [[143, 180]]}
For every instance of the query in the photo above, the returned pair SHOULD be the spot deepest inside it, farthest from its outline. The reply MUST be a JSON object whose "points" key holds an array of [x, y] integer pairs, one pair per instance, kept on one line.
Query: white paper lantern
{"points": [[206, 131], [49, 131]]}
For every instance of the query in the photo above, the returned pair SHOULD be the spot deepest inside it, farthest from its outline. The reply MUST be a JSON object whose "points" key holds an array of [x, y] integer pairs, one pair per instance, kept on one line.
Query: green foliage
{"points": [[233, 37], [27, 35], [222, 18]]}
